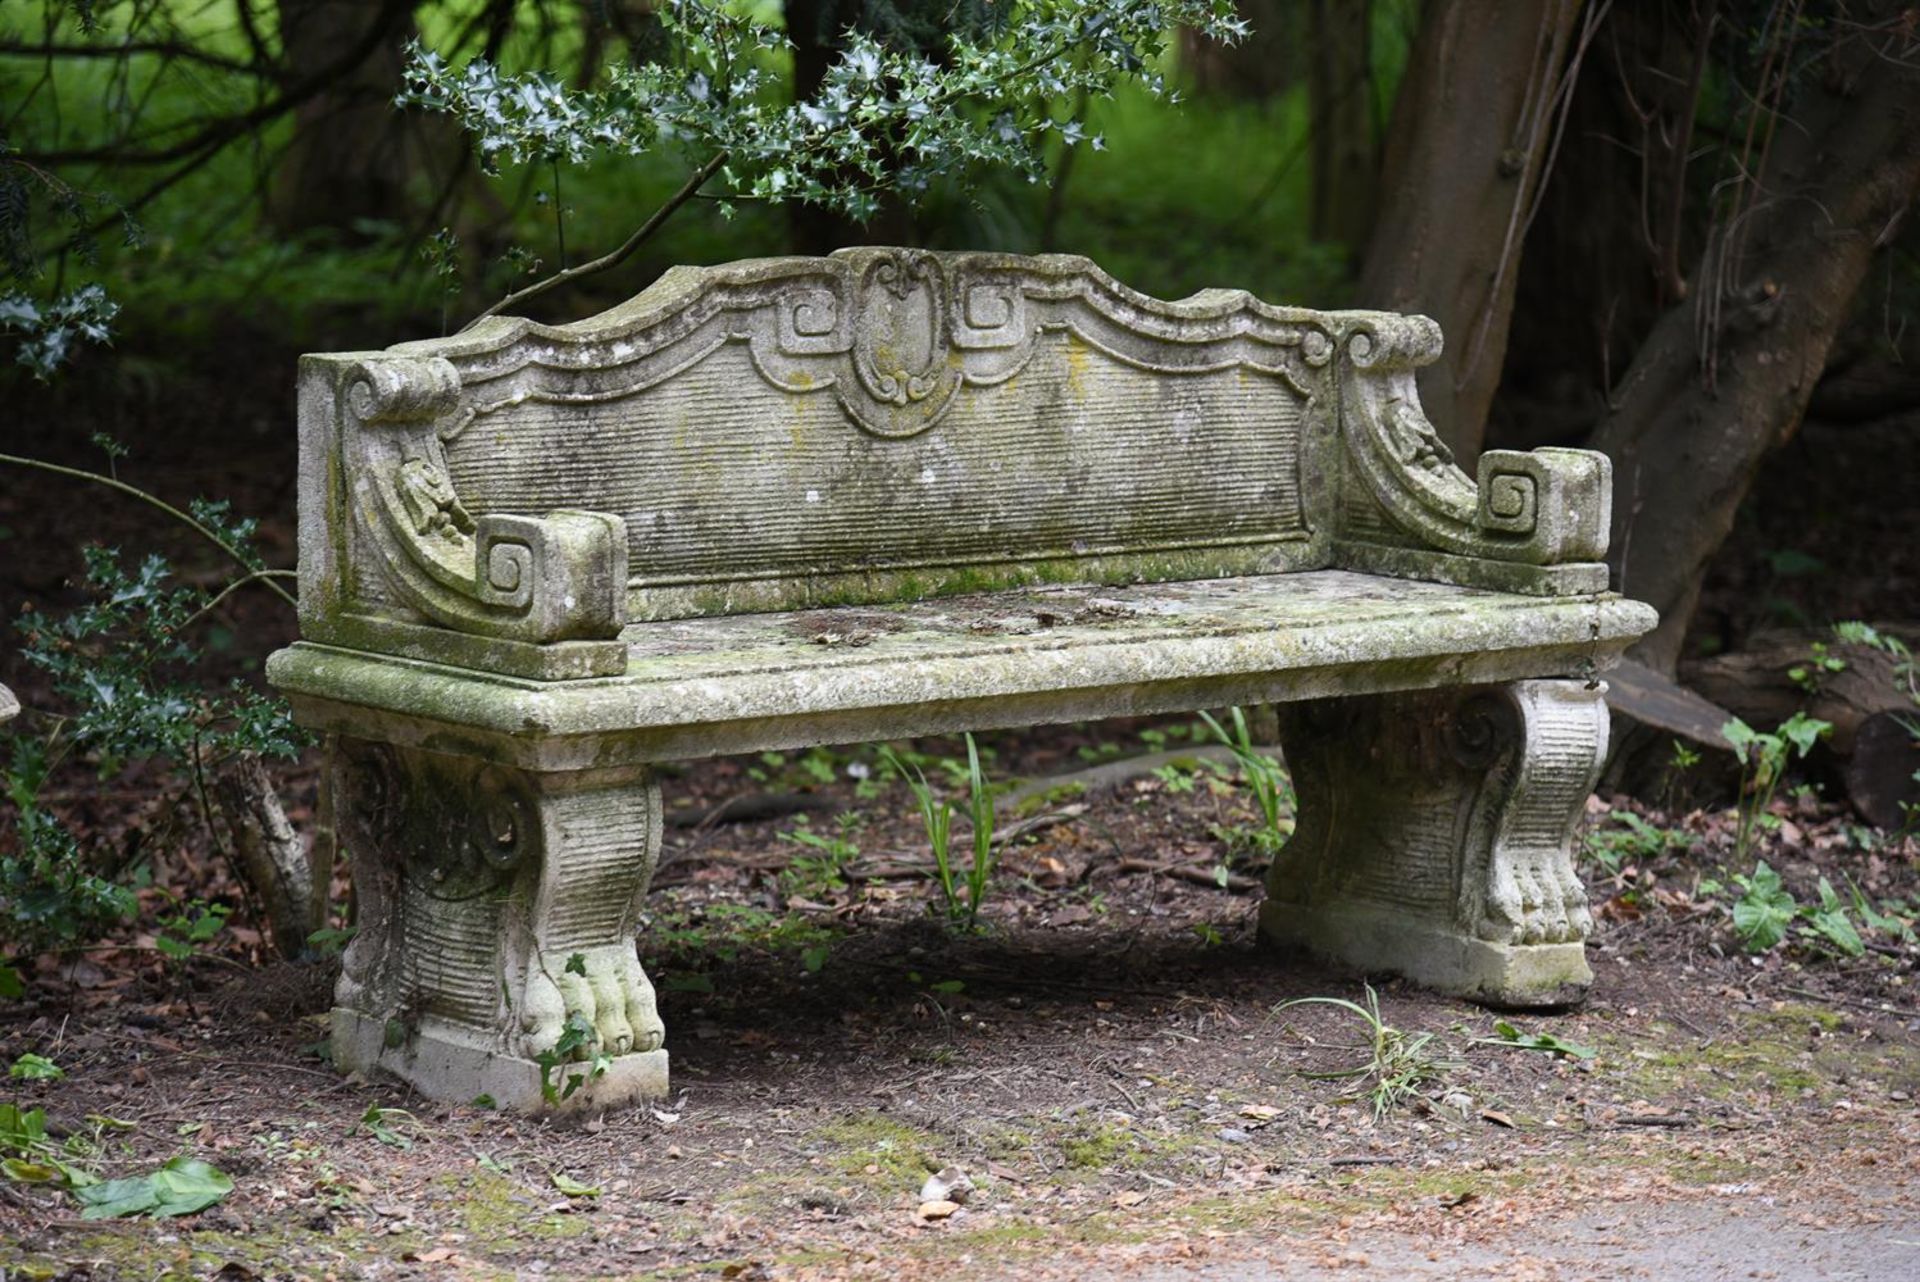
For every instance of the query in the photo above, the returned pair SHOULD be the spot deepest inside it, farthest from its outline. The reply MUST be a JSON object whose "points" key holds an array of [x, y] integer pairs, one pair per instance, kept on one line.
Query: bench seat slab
{"points": [[750, 683]]}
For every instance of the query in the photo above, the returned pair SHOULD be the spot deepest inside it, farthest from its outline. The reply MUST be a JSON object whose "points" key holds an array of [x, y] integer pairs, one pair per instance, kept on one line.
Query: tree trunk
{"points": [[1340, 116], [1471, 133], [1264, 65], [1600, 260], [353, 157], [290, 887], [1726, 377]]}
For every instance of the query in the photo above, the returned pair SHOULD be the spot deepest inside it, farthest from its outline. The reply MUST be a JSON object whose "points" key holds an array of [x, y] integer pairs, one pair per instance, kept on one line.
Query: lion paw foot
{"points": [[600, 996]]}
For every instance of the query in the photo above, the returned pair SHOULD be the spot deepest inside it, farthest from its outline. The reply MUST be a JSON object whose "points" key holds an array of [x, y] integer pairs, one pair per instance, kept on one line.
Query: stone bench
{"points": [[811, 501]]}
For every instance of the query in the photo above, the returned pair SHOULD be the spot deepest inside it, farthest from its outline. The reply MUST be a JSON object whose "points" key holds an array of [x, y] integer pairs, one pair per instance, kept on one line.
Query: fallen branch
{"points": [[1187, 872], [268, 851], [753, 808], [1108, 776]]}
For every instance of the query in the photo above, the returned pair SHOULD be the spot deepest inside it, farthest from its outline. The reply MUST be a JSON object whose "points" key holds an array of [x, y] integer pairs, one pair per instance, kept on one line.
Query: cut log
{"points": [[1883, 775], [1651, 713], [1656, 700], [1756, 683], [1867, 701]]}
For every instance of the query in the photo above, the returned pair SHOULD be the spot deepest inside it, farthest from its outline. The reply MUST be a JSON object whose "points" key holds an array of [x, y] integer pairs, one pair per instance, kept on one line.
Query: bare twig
{"points": [[166, 48], [162, 505], [608, 261]]}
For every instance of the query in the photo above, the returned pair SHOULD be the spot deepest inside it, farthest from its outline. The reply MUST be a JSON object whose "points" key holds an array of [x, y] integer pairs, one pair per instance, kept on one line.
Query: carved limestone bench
{"points": [[812, 501]]}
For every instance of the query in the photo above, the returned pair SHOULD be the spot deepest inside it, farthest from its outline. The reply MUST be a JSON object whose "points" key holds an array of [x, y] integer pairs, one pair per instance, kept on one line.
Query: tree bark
{"points": [[1264, 65], [291, 887], [1726, 377], [1345, 160], [1466, 151], [353, 158], [1869, 703], [1612, 220]]}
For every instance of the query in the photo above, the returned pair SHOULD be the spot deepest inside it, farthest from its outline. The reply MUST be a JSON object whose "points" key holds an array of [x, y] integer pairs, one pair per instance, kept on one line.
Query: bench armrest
{"points": [[1536, 521], [392, 561]]}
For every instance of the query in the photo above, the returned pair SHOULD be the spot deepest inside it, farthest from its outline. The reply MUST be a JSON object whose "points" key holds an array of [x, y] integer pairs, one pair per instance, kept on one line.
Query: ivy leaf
{"points": [[1763, 915], [183, 1186]]}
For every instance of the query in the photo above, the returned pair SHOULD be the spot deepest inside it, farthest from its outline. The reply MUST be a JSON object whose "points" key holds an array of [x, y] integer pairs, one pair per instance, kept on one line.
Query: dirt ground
{"points": [[1105, 1061]]}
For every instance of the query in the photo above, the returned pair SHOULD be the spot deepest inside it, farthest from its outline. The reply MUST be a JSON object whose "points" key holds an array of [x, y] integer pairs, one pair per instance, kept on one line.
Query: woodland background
{"points": [[1680, 231]]}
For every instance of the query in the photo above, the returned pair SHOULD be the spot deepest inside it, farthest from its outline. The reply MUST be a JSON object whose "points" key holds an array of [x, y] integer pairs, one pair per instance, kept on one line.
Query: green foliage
{"points": [[45, 334], [572, 1187], [121, 666], [46, 331], [962, 890], [824, 872], [887, 119], [35, 1068], [1634, 841], [1396, 1063], [386, 1125], [1763, 761], [29, 1155], [1820, 664], [1829, 925], [123, 660], [1265, 779], [578, 1038], [181, 934], [1505, 1034], [49, 897], [1767, 915], [1892, 919], [1765, 910], [183, 1186]]}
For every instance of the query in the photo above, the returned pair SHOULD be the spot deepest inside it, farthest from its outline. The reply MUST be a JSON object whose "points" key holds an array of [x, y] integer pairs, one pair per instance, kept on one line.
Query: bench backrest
{"points": [[879, 425]]}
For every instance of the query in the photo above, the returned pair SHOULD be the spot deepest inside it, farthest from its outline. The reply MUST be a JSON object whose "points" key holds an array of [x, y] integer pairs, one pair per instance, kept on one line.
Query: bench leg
{"points": [[496, 913], [1434, 834]]}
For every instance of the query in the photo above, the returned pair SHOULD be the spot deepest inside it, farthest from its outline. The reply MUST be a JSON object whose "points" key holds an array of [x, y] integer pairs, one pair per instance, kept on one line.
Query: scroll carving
{"points": [[496, 907], [1543, 507], [542, 579]]}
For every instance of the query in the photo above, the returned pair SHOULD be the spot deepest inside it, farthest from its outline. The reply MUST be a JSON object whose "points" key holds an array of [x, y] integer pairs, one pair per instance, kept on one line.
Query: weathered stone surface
{"points": [[799, 501], [884, 425], [1434, 835], [496, 912], [747, 683]]}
